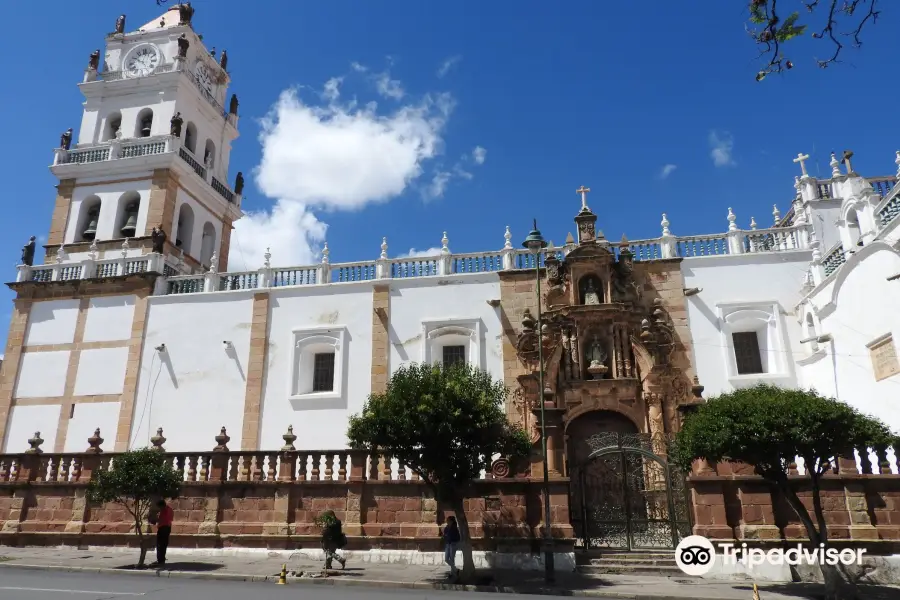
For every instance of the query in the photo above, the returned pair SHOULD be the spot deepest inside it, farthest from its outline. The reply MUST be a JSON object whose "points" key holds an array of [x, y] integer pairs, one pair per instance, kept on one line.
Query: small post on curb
{"points": [[755, 592], [282, 579]]}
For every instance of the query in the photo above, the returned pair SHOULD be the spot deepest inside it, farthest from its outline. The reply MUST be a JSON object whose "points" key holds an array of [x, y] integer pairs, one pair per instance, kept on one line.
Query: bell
{"points": [[130, 226], [145, 128], [90, 232]]}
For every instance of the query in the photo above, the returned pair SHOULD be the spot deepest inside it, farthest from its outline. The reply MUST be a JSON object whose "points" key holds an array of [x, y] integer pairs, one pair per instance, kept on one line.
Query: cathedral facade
{"points": [[133, 322]]}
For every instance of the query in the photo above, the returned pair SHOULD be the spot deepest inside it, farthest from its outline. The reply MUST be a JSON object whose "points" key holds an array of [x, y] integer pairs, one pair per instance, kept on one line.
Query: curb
{"points": [[337, 581]]}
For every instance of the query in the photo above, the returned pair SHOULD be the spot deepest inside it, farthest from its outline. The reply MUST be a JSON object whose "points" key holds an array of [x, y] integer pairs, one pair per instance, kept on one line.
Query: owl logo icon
{"points": [[695, 555]]}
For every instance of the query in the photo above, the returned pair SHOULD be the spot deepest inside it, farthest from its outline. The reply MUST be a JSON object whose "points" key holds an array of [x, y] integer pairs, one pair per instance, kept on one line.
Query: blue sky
{"points": [[487, 114]]}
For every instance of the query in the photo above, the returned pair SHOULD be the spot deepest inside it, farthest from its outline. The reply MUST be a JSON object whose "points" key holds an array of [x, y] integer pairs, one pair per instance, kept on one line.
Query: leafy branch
{"points": [[842, 19]]}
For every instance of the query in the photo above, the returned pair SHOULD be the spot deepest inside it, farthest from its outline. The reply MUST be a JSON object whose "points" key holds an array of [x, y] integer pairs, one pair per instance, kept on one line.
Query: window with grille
{"points": [[323, 372], [454, 355], [746, 353]]}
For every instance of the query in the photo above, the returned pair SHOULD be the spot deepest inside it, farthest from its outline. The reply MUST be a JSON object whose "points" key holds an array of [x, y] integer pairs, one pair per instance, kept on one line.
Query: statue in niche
{"points": [[596, 358], [223, 60], [239, 184], [175, 125], [94, 60], [591, 294], [185, 14], [120, 24], [65, 140], [183, 45], [28, 252], [158, 236], [233, 105], [587, 231]]}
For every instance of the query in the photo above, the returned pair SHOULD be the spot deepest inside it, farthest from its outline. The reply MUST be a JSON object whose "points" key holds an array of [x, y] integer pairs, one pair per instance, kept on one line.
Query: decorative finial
{"points": [[776, 213], [214, 263], [584, 192], [94, 443], [222, 441], [94, 250], [60, 254], [802, 158], [325, 253], [816, 252], [508, 236], [445, 248], [384, 248], [268, 256], [665, 225], [797, 184], [125, 248], [35, 444], [835, 166], [752, 223], [289, 439], [731, 220], [158, 440]]}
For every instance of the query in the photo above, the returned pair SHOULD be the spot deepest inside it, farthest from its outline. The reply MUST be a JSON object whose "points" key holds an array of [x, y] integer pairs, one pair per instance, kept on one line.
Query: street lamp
{"points": [[535, 243]]}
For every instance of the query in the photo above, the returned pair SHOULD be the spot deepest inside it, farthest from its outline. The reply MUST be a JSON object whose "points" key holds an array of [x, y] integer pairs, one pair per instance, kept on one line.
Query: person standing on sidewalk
{"points": [[451, 542], [163, 531], [333, 539]]}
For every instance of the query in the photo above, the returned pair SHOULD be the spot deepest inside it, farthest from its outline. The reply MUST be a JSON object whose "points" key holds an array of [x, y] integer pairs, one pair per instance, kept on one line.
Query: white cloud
{"points": [[413, 253], [332, 89], [479, 154], [667, 170], [447, 65], [333, 157], [358, 67], [721, 145], [438, 185], [387, 87]]}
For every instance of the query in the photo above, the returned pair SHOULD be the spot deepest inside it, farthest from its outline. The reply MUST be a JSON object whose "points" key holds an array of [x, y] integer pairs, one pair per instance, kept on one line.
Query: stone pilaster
{"points": [[381, 318], [256, 371], [132, 370], [161, 208], [9, 372], [61, 209], [225, 245]]}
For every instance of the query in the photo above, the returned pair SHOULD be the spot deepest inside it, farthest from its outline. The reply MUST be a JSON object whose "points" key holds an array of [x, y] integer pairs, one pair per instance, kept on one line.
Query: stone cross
{"points": [[802, 158], [584, 192]]}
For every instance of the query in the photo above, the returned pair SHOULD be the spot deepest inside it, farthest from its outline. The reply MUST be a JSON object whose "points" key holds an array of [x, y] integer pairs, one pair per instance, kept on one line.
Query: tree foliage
{"points": [[136, 480], [836, 22], [767, 427]]}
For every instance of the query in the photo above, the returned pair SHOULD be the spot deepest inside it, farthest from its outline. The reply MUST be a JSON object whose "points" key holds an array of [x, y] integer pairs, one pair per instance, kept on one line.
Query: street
{"points": [[23, 584]]}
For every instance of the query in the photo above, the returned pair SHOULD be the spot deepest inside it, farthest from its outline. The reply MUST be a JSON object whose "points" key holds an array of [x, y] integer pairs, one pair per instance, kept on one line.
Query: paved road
{"points": [[22, 584]]}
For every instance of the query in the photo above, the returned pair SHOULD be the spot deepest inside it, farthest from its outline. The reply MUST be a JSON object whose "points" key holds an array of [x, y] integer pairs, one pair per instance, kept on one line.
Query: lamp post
{"points": [[535, 243]]}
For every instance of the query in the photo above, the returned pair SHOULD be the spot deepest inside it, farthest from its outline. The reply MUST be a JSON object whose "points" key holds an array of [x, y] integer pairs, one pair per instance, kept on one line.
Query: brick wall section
{"points": [[161, 208], [381, 318], [663, 279], [517, 293], [61, 211], [132, 370], [9, 371], [225, 245], [256, 371], [71, 371]]}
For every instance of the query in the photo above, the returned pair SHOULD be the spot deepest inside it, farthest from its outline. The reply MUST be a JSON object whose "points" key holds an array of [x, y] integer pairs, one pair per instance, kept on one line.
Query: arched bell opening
{"points": [[207, 244], [112, 126], [88, 219], [144, 125], [190, 137], [126, 219], [185, 230]]}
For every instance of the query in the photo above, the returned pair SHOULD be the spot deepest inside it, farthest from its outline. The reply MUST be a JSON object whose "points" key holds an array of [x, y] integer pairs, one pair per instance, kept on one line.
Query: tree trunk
{"points": [[838, 584], [465, 543], [142, 542]]}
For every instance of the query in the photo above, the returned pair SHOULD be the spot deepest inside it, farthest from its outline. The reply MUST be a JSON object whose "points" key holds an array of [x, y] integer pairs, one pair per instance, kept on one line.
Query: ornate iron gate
{"points": [[626, 496]]}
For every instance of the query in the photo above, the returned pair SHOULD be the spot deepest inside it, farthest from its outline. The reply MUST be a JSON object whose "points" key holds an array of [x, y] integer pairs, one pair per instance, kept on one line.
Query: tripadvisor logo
{"points": [[696, 555]]}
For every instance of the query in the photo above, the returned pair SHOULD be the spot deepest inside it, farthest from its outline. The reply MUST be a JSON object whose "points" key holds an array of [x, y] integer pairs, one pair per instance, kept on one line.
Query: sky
{"points": [[402, 119]]}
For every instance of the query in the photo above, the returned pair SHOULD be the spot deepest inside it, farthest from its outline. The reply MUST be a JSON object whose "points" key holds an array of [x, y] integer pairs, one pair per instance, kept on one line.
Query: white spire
{"points": [[731, 220], [665, 225], [445, 244], [384, 248], [508, 237], [325, 253]]}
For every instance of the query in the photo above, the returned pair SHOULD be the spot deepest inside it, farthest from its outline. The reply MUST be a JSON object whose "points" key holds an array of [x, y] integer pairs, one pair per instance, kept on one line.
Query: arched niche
{"points": [[126, 214], [596, 346], [185, 231], [853, 230], [144, 125], [590, 290], [207, 243], [190, 137], [88, 218], [111, 126], [209, 154]]}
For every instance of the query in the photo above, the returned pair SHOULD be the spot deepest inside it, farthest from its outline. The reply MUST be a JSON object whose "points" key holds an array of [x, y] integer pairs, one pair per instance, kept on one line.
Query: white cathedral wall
{"points": [[51, 322], [86, 418], [197, 385], [422, 306], [109, 319], [24, 421], [865, 308], [295, 313], [824, 214], [766, 283]]}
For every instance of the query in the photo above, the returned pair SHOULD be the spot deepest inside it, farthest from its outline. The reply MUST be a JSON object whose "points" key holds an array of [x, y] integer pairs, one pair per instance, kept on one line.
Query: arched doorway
{"points": [[623, 496]]}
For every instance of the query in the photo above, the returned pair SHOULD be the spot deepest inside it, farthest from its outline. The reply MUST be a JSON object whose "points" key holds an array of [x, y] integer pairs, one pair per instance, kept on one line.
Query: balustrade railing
{"points": [[88, 269], [889, 211], [702, 245], [834, 259]]}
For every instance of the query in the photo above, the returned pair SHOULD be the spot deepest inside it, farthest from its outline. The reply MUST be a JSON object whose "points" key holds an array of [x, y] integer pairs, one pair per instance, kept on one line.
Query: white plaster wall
{"points": [[101, 371], [824, 214], [87, 418], [52, 322], [196, 386], [201, 216], [777, 276], [466, 297], [865, 308], [42, 374], [109, 195], [109, 319], [24, 421], [316, 427]]}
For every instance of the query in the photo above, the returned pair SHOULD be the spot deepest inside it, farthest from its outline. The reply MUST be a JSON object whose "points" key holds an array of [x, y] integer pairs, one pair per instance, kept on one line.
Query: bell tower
{"points": [[151, 152]]}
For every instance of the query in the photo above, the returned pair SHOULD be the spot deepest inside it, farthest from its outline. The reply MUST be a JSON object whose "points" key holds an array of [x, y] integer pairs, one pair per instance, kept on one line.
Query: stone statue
{"points": [[233, 105], [239, 183], [120, 24], [94, 60], [590, 293], [183, 45], [175, 125], [158, 236], [185, 14], [28, 252], [223, 60], [213, 52], [65, 140]]}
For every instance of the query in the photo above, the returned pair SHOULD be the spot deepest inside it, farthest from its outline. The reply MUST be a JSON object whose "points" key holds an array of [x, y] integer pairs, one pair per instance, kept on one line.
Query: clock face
{"points": [[142, 61], [203, 76]]}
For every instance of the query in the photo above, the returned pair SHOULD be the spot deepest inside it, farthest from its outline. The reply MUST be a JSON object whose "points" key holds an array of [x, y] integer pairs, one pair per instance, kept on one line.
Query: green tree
{"points": [[835, 22], [446, 425], [136, 480], [767, 427]]}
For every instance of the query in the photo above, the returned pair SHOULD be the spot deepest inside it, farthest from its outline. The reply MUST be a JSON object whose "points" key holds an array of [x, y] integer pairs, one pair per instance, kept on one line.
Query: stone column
{"points": [[381, 317], [9, 371], [61, 209]]}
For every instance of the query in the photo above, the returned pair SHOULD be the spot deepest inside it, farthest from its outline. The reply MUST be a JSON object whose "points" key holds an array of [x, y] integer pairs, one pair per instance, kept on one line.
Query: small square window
{"points": [[323, 372], [454, 355], [746, 353]]}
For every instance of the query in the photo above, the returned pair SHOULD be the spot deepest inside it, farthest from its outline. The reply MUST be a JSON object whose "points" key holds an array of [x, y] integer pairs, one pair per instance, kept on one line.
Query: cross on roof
{"points": [[584, 192], [802, 158]]}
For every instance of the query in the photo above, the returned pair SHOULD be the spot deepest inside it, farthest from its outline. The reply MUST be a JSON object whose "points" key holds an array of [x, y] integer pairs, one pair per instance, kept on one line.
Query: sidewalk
{"points": [[265, 567]]}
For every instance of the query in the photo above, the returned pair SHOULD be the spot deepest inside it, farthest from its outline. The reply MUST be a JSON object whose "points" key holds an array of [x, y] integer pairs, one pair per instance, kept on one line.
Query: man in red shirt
{"points": [[163, 531]]}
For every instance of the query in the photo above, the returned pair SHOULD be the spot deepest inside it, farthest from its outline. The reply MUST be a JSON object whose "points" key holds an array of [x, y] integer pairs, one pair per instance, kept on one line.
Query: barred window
{"points": [[454, 355], [323, 372]]}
